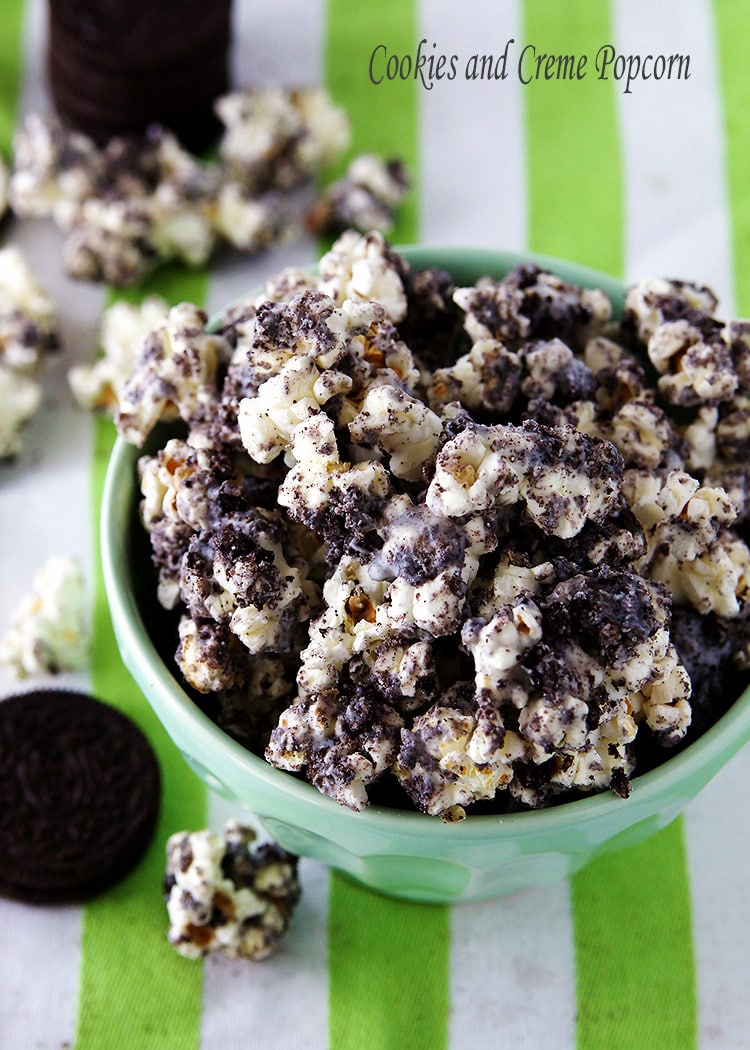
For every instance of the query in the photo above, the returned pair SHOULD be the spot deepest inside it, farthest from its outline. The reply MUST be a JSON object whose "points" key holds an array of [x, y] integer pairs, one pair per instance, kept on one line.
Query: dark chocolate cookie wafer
{"points": [[79, 796]]}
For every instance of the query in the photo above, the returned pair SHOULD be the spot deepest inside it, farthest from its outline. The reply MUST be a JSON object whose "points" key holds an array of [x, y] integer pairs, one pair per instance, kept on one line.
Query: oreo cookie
{"points": [[80, 789]]}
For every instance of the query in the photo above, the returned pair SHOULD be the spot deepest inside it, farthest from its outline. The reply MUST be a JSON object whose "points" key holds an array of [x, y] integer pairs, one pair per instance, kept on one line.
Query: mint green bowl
{"points": [[402, 854]]}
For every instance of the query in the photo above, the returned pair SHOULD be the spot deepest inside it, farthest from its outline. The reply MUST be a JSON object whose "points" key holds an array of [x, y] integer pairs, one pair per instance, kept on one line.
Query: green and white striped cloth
{"points": [[644, 950]]}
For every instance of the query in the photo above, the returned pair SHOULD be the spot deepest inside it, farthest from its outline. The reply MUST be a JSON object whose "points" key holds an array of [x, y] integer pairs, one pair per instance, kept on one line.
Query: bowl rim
{"points": [[119, 498]]}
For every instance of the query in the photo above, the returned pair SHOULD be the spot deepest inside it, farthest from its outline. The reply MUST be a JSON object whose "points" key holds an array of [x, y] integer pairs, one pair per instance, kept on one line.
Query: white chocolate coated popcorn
{"points": [[279, 137], [175, 375], [28, 318], [563, 477], [20, 398], [361, 268], [364, 199], [49, 632], [123, 330], [227, 896]]}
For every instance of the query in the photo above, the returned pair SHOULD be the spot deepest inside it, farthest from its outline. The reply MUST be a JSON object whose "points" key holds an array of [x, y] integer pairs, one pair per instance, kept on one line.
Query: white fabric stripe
{"points": [[502, 949], [718, 845], [472, 175], [473, 186], [678, 225], [43, 497], [282, 1002], [677, 221]]}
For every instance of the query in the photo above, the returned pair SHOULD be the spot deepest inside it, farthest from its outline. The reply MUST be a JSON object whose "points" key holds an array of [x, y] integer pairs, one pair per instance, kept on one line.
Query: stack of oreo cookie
{"points": [[116, 67]]}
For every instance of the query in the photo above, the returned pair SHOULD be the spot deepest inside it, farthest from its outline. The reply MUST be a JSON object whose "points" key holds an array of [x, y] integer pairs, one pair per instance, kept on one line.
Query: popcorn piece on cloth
{"points": [[20, 398], [227, 896], [54, 170], [28, 319], [28, 332], [277, 137], [49, 632], [365, 198], [123, 331]]}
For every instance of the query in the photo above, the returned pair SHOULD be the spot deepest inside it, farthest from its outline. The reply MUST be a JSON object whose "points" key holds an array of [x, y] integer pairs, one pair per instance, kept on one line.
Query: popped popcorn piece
{"points": [[530, 303], [20, 398], [400, 425], [554, 373], [123, 330], [716, 581], [49, 632], [664, 700], [690, 547], [694, 362], [227, 896], [364, 198], [364, 268], [562, 476], [653, 301], [210, 656], [731, 430], [251, 224], [276, 137], [28, 319], [242, 575], [54, 170], [182, 201], [309, 325], [345, 742], [445, 763], [498, 646], [175, 375], [338, 501], [353, 623], [110, 240], [267, 421], [487, 377], [642, 432], [28, 332]]}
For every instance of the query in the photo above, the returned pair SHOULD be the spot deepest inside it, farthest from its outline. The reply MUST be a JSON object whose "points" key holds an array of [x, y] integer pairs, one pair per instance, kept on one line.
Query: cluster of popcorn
{"points": [[448, 540], [226, 895], [28, 332], [128, 207]]}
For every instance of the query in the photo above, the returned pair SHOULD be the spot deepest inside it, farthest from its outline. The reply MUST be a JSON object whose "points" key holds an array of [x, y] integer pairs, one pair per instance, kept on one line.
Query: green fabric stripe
{"points": [[388, 961], [631, 910], [388, 971], [731, 24], [11, 59], [124, 952], [573, 150], [634, 948], [384, 117]]}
